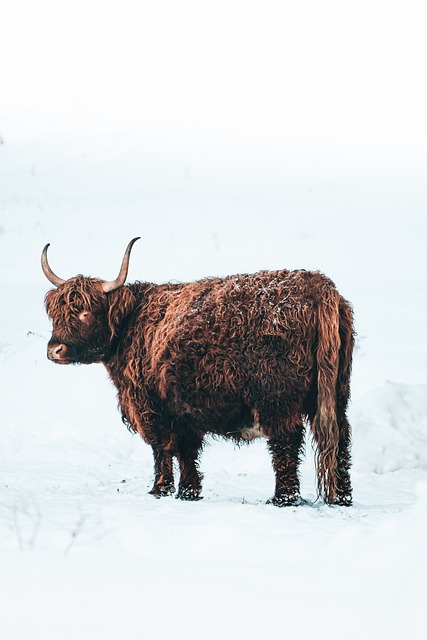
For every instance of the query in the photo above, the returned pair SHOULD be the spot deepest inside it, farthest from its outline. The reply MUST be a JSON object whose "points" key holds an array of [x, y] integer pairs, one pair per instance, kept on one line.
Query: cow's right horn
{"points": [[48, 271], [121, 278]]}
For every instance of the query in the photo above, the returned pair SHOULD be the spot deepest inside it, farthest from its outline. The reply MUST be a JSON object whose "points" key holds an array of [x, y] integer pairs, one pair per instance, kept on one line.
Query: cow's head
{"points": [[86, 314]]}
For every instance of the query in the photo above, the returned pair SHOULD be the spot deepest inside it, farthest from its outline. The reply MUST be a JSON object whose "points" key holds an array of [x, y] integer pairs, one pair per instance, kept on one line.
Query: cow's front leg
{"points": [[189, 444], [285, 449], [163, 473]]}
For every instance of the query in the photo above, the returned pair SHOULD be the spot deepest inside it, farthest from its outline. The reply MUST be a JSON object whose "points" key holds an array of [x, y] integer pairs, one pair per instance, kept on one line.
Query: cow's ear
{"points": [[120, 304]]}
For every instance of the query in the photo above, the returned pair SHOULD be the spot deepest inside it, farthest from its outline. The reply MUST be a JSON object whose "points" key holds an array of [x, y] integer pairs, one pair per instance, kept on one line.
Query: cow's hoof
{"points": [[188, 493], [344, 500], [286, 501], [160, 490]]}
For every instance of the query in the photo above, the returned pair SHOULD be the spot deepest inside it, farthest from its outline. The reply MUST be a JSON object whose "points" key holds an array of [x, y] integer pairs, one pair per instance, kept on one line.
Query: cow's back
{"points": [[245, 338]]}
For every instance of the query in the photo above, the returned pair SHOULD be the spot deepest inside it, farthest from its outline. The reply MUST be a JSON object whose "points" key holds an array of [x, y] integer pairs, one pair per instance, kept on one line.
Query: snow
{"points": [[239, 173]]}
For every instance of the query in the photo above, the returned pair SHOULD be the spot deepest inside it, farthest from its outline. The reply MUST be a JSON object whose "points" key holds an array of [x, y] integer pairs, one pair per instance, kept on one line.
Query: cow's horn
{"points": [[121, 278], [48, 271]]}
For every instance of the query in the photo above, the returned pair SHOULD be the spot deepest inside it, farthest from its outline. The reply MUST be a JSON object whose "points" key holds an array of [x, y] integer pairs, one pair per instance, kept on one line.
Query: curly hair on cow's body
{"points": [[240, 356]]}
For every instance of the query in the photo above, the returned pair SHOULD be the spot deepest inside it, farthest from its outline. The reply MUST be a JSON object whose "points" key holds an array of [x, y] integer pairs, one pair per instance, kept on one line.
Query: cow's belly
{"points": [[235, 420]]}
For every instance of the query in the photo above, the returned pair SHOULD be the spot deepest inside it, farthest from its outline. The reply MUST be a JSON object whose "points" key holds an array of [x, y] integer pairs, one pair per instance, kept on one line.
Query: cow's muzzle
{"points": [[58, 352]]}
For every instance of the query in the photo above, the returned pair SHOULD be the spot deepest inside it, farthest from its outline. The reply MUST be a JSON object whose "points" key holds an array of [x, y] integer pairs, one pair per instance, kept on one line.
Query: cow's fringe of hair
{"points": [[78, 294]]}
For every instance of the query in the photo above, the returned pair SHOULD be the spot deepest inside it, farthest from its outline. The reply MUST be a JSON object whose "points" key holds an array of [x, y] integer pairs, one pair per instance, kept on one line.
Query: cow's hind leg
{"points": [[285, 448], [163, 471], [344, 493], [189, 444]]}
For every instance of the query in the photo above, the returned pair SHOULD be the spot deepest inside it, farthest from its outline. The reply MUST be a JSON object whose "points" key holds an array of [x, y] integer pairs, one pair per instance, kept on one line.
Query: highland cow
{"points": [[240, 357]]}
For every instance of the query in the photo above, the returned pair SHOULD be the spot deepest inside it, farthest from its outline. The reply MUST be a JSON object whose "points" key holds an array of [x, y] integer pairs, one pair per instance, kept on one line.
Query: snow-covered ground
{"points": [[85, 552]]}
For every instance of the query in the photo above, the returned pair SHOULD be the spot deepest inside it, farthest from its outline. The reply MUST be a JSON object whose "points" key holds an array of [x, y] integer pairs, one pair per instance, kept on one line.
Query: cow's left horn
{"points": [[48, 271], [121, 278]]}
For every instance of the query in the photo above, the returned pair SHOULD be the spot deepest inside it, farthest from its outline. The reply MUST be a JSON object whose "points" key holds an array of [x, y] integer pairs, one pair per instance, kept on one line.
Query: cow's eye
{"points": [[84, 316]]}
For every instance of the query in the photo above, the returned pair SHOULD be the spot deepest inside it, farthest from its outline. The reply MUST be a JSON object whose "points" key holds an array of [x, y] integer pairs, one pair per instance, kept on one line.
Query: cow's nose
{"points": [[57, 351]]}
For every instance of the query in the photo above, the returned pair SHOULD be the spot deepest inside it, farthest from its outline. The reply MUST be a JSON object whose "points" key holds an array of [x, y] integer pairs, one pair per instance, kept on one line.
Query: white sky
{"points": [[273, 72]]}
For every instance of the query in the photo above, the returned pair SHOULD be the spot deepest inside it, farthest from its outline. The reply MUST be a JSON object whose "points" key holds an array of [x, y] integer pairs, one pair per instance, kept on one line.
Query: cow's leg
{"points": [[163, 473], [343, 494], [189, 443], [285, 448]]}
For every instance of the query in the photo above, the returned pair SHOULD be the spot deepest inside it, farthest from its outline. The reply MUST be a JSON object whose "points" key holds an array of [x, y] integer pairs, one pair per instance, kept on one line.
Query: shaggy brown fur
{"points": [[237, 357]]}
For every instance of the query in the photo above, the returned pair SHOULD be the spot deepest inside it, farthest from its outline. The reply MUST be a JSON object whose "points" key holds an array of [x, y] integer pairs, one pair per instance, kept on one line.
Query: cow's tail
{"points": [[325, 424]]}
